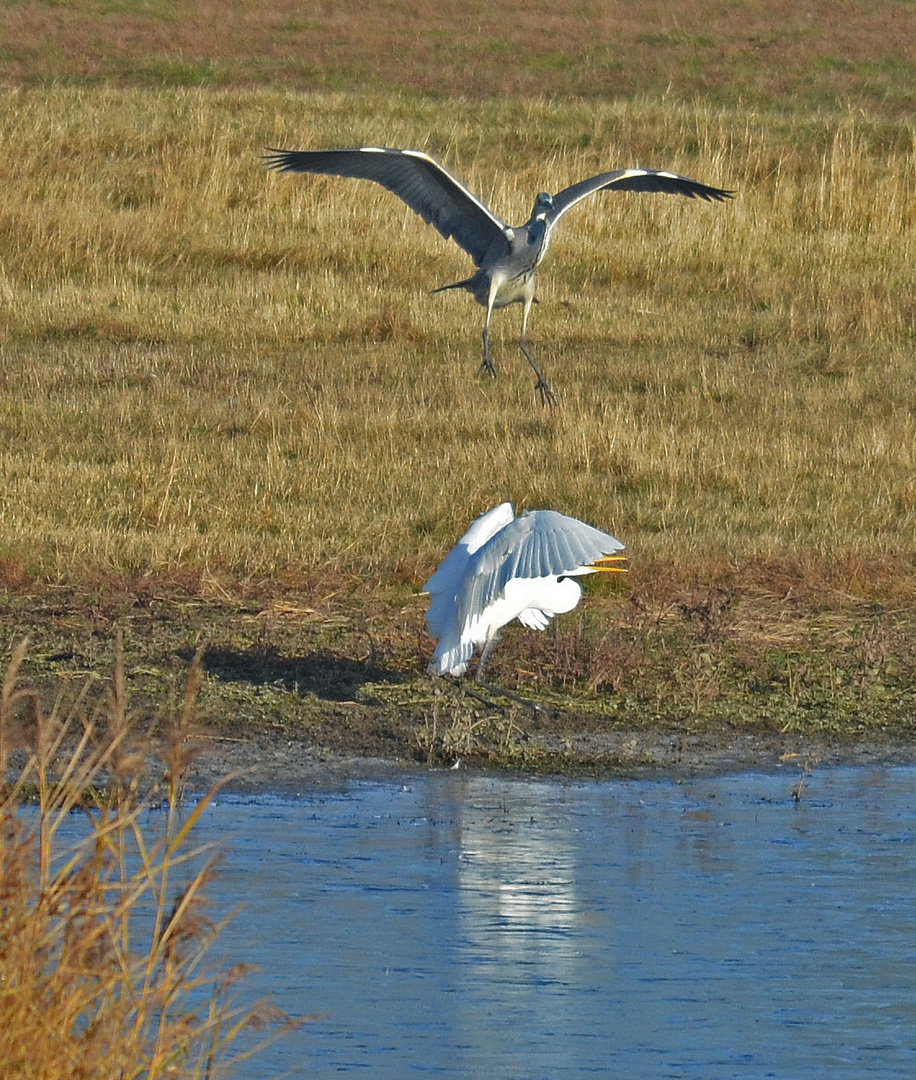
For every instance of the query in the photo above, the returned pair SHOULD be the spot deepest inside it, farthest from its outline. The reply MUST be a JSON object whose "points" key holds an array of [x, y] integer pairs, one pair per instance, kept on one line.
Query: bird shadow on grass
{"points": [[323, 673]]}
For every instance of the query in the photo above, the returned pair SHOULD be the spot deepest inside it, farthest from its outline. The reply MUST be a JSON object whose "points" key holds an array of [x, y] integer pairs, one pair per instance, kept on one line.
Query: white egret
{"points": [[507, 567]]}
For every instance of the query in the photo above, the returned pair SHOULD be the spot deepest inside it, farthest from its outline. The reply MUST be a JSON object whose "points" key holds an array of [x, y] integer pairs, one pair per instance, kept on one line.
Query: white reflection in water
{"points": [[517, 891]]}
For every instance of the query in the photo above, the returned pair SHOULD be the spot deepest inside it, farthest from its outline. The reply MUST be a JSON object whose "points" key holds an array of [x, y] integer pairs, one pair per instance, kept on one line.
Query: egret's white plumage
{"points": [[507, 567]]}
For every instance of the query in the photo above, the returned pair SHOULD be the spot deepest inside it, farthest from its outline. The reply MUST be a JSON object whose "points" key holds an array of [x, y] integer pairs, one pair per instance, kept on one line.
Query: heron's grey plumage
{"points": [[506, 257], [419, 181], [651, 180]]}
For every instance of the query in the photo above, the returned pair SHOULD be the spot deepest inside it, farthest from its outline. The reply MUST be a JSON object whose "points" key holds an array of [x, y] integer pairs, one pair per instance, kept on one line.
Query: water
{"points": [[462, 926]]}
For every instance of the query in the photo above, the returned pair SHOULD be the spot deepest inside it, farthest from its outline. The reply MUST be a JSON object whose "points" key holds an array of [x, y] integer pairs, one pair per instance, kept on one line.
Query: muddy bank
{"points": [[267, 761], [300, 691]]}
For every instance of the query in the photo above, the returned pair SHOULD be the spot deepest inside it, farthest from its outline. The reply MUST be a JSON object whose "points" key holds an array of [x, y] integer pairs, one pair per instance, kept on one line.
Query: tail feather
{"points": [[468, 283], [451, 658]]}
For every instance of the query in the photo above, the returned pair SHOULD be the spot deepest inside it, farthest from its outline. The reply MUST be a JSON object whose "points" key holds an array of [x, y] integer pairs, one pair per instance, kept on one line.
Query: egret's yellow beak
{"points": [[605, 564]]}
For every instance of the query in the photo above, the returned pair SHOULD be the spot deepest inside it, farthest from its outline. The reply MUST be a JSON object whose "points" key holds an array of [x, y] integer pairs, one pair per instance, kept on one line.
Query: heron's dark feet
{"points": [[487, 364], [541, 386], [547, 398]]}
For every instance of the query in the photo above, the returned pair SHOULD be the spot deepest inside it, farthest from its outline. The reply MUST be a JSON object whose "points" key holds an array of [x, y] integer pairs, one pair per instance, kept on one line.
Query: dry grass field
{"points": [[231, 414]]}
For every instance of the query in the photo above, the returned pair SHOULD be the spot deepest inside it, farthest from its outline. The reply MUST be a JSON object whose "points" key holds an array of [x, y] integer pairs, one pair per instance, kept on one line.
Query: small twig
{"points": [[807, 767]]}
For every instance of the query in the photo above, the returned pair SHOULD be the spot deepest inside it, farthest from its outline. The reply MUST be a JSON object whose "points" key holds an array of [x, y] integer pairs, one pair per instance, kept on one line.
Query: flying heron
{"points": [[506, 258], [507, 567]]}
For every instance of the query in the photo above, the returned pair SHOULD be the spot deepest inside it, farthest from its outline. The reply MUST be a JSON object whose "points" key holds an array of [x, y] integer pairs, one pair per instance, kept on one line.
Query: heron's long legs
{"points": [[541, 386], [487, 364]]}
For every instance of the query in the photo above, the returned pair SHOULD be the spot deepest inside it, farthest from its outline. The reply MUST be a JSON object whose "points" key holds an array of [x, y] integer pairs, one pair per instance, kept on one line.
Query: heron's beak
{"points": [[604, 565]]}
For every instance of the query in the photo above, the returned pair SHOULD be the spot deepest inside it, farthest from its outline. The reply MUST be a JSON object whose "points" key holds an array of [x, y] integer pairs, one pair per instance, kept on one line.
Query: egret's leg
{"points": [[494, 689], [542, 386], [487, 364], [483, 700], [484, 656], [465, 689]]}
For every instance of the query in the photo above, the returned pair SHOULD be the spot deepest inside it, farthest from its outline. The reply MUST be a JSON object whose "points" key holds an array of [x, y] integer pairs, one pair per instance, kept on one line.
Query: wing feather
{"points": [[541, 543], [415, 178], [653, 180], [447, 582]]}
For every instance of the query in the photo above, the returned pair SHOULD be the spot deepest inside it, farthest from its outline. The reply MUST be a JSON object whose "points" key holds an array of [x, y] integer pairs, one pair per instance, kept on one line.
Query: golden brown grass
{"points": [[208, 366], [229, 384], [104, 942]]}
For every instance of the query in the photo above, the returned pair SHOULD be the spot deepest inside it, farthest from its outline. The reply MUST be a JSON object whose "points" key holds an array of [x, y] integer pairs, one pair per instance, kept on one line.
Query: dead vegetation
{"points": [[104, 940], [207, 366], [751, 53]]}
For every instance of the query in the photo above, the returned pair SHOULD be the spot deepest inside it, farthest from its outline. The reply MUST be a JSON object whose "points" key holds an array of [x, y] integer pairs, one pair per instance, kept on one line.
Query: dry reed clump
{"points": [[103, 941]]}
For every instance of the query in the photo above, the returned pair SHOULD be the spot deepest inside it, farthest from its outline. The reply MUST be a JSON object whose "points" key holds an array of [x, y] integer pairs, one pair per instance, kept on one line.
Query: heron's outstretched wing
{"points": [[414, 177], [542, 543], [634, 180]]}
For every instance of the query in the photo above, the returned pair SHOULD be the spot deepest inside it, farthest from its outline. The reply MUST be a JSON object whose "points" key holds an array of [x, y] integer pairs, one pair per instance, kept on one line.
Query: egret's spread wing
{"points": [[634, 180], [539, 544], [446, 583], [414, 177]]}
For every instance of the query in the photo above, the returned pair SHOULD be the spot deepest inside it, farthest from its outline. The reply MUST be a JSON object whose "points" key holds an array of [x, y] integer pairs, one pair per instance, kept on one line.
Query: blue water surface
{"points": [[469, 926]]}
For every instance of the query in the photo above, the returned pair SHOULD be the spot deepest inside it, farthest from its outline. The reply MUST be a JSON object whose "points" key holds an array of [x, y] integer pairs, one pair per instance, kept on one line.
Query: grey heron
{"points": [[506, 258], [506, 567]]}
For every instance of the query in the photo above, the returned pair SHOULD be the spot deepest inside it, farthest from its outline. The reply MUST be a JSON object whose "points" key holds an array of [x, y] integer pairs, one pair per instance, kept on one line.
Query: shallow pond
{"points": [[463, 926], [458, 925]]}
